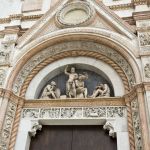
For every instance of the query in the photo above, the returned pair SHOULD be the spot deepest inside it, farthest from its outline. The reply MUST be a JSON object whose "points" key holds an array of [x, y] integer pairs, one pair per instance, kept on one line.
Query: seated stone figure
{"points": [[81, 91], [102, 90], [51, 91]]}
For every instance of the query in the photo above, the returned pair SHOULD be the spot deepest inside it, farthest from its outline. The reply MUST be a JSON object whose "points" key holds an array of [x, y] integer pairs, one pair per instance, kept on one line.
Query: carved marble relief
{"points": [[68, 46], [5, 134], [147, 70], [5, 50], [2, 77], [144, 38], [136, 125], [74, 112], [75, 87]]}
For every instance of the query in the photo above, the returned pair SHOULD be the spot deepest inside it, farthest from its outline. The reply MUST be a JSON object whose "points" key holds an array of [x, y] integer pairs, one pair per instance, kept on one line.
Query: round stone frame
{"points": [[74, 6]]}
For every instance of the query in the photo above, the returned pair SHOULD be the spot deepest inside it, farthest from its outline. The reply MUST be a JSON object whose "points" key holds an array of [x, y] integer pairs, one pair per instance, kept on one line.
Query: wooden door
{"points": [[72, 138]]}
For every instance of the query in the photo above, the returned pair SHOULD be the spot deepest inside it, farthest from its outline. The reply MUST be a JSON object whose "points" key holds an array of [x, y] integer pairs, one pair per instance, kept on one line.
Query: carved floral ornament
{"points": [[65, 48]]}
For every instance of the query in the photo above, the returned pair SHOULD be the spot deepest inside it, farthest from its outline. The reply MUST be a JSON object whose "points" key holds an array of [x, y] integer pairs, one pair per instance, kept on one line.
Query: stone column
{"points": [[143, 119]]}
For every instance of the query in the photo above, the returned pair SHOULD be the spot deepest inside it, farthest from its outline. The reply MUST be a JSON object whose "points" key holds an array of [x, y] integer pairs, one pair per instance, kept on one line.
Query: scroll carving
{"points": [[35, 126], [108, 126]]}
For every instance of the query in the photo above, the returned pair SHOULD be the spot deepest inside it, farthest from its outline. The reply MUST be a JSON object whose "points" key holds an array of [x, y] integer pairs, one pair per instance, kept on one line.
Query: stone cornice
{"points": [[122, 6], [109, 101], [20, 17], [11, 96], [144, 15]]}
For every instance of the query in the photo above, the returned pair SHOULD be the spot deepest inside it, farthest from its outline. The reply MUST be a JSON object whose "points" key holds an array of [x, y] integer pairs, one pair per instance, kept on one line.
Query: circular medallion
{"points": [[75, 14]]}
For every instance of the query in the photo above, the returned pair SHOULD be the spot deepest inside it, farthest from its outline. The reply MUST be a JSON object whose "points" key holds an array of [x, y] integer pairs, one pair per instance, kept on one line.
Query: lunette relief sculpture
{"points": [[75, 87], [102, 90], [51, 91]]}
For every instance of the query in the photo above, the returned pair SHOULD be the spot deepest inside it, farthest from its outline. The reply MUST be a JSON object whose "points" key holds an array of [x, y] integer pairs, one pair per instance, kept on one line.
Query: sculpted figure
{"points": [[51, 91], [101, 90], [70, 85], [81, 91]]}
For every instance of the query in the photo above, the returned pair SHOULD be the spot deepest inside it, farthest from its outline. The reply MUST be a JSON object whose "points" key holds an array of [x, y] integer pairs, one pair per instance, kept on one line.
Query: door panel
{"points": [[92, 138], [52, 138], [72, 138]]}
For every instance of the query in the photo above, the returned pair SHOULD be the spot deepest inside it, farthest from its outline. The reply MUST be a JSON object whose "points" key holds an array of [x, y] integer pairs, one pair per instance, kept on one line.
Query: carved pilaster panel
{"points": [[7, 127], [136, 125]]}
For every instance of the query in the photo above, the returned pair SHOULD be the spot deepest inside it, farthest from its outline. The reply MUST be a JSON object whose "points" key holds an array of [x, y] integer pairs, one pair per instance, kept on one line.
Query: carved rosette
{"points": [[7, 127], [136, 125]]}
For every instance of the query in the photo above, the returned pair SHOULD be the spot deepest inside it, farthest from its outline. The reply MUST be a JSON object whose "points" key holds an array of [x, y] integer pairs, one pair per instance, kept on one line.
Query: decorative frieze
{"points": [[6, 132], [74, 112], [136, 125], [68, 46]]}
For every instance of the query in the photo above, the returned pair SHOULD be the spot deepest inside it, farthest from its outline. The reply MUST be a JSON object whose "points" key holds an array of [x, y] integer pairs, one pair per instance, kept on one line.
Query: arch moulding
{"points": [[101, 42]]}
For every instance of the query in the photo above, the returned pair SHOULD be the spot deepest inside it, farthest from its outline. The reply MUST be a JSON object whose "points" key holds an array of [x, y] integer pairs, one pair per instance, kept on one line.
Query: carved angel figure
{"points": [[102, 90], [51, 91]]}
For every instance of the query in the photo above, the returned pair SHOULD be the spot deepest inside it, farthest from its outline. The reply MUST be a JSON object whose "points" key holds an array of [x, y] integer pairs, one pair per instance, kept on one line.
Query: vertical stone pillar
{"points": [[143, 119], [130, 124]]}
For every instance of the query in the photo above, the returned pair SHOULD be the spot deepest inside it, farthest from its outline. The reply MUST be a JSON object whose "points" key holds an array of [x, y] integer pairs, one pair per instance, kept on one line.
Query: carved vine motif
{"points": [[75, 112], [68, 46], [144, 38], [147, 70], [136, 125], [5, 135]]}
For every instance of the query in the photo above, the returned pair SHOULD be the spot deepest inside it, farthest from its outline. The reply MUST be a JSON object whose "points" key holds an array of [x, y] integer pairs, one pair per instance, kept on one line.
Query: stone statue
{"points": [[102, 90], [70, 85], [81, 91], [51, 91]]}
